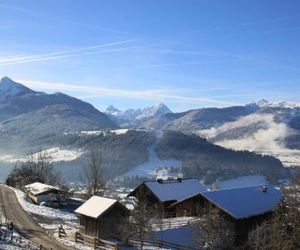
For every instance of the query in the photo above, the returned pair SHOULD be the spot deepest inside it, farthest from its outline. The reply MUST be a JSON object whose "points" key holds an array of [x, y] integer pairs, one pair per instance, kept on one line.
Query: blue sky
{"points": [[187, 54]]}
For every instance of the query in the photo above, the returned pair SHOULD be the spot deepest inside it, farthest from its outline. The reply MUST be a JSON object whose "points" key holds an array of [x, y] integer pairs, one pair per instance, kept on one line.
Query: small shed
{"points": [[163, 193], [102, 217], [39, 192]]}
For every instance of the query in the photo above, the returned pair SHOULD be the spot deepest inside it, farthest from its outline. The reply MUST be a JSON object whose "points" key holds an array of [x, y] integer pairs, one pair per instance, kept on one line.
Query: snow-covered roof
{"points": [[245, 202], [37, 188], [175, 190], [95, 206]]}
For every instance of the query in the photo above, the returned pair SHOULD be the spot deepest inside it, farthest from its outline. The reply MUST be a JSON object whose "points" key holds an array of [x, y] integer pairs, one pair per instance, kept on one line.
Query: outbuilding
{"points": [[39, 192], [102, 217]]}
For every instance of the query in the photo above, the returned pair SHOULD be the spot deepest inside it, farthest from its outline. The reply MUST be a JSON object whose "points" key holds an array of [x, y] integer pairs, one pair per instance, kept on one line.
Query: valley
{"points": [[139, 142]]}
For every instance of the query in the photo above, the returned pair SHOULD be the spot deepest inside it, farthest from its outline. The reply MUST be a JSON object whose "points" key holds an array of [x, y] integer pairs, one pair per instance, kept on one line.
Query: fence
{"points": [[95, 242], [160, 244], [166, 224]]}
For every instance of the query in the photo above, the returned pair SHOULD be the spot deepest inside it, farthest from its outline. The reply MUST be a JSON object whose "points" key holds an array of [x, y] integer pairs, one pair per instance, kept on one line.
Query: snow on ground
{"points": [[50, 219], [56, 154], [104, 132], [42, 211], [92, 132], [148, 169], [119, 131], [183, 236], [176, 230], [10, 239], [69, 241]]}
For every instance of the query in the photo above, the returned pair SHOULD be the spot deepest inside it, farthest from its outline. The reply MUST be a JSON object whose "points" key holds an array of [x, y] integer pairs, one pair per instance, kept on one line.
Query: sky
{"points": [[135, 53]]}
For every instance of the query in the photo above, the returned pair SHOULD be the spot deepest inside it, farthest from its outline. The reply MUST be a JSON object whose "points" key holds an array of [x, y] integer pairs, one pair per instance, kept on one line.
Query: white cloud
{"points": [[242, 122], [91, 92], [268, 139], [89, 50]]}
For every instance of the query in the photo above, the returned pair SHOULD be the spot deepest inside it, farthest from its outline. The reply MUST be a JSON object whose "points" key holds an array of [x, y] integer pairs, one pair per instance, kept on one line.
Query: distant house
{"points": [[244, 207], [101, 217], [164, 193], [40, 192]]}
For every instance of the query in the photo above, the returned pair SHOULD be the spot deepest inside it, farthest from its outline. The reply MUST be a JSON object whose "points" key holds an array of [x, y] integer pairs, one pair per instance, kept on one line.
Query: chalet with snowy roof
{"points": [[163, 193], [245, 207], [101, 217], [39, 192]]}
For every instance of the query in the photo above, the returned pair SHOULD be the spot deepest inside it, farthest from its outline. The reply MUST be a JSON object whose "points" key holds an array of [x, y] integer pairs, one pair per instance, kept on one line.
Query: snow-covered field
{"points": [[149, 168], [56, 154], [104, 132]]}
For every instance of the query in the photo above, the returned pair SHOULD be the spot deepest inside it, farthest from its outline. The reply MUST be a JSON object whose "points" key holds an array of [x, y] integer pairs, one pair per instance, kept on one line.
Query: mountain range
{"points": [[31, 120], [134, 117], [262, 126]]}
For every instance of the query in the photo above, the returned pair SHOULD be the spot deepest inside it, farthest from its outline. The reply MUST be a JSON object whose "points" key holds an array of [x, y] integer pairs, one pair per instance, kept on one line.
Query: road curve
{"points": [[24, 223]]}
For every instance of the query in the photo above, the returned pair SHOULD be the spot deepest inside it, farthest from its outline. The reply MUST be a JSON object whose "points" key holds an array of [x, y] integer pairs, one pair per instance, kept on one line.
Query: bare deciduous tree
{"points": [[37, 167], [213, 231], [95, 173], [139, 225], [282, 231]]}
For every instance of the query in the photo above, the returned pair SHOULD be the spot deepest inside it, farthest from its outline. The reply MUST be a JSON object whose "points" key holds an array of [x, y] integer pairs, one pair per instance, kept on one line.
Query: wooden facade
{"points": [[107, 225], [44, 197], [194, 206], [153, 201], [166, 205]]}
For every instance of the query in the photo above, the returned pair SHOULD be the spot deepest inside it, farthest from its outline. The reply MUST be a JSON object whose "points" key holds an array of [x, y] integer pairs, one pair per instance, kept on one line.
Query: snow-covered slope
{"points": [[289, 105], [30, 118], [154, 111], [9, 88], [111, 110]]}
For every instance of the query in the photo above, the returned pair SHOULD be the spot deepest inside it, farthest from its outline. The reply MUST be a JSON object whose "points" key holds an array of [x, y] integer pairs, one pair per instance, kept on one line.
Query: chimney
{"points": [[264, 189], [179, 179], [159, 180]]}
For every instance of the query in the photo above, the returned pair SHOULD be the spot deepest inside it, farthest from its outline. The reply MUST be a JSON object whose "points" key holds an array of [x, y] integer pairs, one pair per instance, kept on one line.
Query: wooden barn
{"points": [[101, 217], [163, 193], [40, 192], [245, 207]]}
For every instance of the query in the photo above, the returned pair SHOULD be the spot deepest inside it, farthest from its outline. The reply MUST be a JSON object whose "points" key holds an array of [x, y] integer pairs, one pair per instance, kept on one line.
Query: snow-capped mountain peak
{"points": [[134, 115], [284, 104], [10, 88], [154, 111], [262, 103], [290, 105], [112, 110]]}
